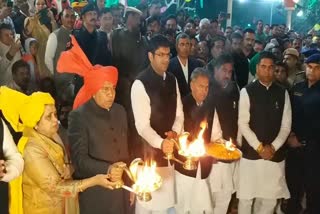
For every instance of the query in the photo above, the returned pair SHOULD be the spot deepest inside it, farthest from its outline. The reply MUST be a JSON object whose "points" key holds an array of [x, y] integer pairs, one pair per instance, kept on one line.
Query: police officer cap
{"points": [[292, 52], [132, 10], [310, 52], [315, 58], [89, 7]]}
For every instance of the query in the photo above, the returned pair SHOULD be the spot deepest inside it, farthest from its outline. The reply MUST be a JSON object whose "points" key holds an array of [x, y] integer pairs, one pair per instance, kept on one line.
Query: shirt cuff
{"points": [[11, 173]]}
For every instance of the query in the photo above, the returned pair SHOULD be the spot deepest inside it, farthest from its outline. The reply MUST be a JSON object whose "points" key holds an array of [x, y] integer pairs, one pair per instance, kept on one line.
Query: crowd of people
{"points": [[85, 89]]}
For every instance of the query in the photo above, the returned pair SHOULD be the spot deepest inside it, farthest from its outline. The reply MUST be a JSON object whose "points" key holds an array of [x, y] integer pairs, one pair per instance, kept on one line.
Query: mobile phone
{"points": [[9, 3], [17, 37]]}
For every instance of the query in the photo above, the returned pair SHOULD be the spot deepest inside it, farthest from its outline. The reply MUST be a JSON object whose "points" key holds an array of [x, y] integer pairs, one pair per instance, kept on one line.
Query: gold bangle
{"points": [[260, 148]]}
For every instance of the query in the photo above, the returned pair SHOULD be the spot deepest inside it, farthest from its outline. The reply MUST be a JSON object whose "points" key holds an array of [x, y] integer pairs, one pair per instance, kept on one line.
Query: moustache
{"points": [[93, 20]]}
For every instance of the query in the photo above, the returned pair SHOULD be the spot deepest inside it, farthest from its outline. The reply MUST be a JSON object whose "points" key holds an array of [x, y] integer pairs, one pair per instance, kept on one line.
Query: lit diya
{"points": [[146, 179], [191, 150], [224, 151]]}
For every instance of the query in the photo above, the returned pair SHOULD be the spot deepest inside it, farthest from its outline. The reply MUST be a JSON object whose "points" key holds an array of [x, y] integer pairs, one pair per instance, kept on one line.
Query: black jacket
{"points": [[98, 138], [305, 103], [176, 69], [241, 69], [193, 116], [226, 102]]}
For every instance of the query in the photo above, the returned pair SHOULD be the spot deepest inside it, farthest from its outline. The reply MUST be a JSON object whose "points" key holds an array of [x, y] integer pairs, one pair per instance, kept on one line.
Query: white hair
{"points": [[203, 22]]}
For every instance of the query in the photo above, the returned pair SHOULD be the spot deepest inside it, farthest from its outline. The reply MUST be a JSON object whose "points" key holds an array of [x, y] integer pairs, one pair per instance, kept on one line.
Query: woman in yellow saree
{"points": [[46, 183]]}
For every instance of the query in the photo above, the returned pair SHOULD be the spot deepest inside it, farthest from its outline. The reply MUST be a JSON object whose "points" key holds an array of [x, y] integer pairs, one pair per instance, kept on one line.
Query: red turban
{"points": [[75, 61]]}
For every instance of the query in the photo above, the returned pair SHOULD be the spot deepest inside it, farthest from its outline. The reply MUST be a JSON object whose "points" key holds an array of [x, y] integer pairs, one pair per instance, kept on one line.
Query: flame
{"points": [[147, 179], [230, 146], [183, 141], [196, 148]]}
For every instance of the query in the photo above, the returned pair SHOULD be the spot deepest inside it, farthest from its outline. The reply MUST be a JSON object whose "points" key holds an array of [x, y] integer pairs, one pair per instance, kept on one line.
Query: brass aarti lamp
{"points": [[146, 179], [192, 151]]}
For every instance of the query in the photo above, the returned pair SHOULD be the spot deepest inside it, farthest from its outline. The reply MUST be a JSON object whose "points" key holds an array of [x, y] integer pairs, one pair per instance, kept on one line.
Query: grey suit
{"points": [[98, 138]]}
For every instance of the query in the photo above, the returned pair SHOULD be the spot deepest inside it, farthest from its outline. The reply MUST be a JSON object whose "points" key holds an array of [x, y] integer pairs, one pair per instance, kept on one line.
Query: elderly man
{"points": [[264, 124], [302, 166], [182, 65], [204, 27], [97, 132], [193, 191], [158, 116]]}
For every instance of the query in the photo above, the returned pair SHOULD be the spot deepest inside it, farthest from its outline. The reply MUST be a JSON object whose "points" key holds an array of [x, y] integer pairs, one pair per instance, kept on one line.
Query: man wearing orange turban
{"points": [[97, 130]]}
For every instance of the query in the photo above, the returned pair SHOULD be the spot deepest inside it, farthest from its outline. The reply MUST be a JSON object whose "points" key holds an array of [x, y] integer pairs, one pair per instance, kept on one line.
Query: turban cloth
{"points": [[22, 112], [75, 61]]}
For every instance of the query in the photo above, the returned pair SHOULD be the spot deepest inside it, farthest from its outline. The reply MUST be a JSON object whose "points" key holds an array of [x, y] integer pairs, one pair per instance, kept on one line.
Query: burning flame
{"points": [[230, 146], [146, 179], [195, 148]]}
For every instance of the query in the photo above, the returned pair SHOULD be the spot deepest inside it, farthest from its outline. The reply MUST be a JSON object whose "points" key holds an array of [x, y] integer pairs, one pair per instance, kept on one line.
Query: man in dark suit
{"points": [[93, 44], [97, 132], [182, 65]]}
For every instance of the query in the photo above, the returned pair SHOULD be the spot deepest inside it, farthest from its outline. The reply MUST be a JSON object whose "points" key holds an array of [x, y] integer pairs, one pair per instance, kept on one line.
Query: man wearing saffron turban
{"points": [[97, 131]]}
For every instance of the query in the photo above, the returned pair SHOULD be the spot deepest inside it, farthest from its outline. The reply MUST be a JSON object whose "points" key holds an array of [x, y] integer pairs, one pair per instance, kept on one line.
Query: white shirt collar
{"points": [[267, 86], [184, 69], [182, 63]]}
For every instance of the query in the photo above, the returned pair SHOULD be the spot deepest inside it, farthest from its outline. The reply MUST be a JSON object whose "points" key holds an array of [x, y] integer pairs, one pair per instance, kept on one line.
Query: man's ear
{"points": [[191, 85], [150, 56]]}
